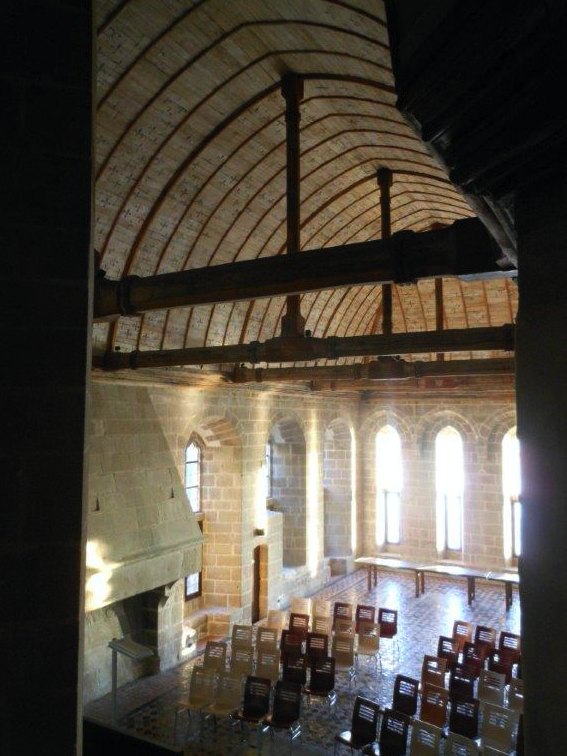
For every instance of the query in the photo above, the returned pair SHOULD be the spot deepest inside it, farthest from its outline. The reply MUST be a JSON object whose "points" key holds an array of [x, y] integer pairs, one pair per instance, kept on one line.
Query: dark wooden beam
{"points": [[307, 349], [464, 250]]}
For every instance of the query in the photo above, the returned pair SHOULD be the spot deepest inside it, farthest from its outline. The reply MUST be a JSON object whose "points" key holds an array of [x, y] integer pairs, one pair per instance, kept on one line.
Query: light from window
{"points": [[193, 475], [192, 586], [511, 486], [388, 485], [268, 471], [449, 478]]}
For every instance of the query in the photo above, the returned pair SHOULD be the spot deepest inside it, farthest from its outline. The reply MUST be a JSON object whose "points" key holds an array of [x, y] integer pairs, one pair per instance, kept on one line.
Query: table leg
{"points": [[422, 579], [470, 590], [375, 576], [369, 576], [509, 596], [416, 584]]}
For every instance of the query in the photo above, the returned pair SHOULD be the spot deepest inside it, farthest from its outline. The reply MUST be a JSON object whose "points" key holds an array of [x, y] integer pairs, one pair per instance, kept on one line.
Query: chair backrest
{"points": [[299, 624], [485, 636], [295, 669], [501, 661], [474, 655], [510, 642], [388, 621], [241, 636], [343, 649], [242, 662], [276, 619], [256, 701], [405, 695], [433, 671], [393, 733], [268, 665], [321, 608], [461, 680], [368, 637], [345, 626], [491, 687], [301, 605], [497, 727], [321, 624], [448, 649], [462, 632], [457, 745], [516, 695], [290, 644], [229, 691], [341, 611], [287, 702], [463, 717], [317, 646], [425, 739], [364, 613], [267, 639], [322, 679], [365, 716], [202, 686], [434, 701], [215, 656]]}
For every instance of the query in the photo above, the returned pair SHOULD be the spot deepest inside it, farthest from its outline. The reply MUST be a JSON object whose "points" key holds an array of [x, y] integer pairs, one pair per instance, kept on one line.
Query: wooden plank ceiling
{"points": [[191, 162]]}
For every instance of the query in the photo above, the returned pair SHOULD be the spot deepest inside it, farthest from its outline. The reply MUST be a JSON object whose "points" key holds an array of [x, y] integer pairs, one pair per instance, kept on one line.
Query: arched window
{"points": [[268, 470], [388, 485], [449, 478], [511, 490], [193, 474]]}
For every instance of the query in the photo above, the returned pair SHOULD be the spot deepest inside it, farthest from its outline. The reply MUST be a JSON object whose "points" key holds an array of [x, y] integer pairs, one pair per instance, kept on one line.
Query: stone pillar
{"points": [[45, 281], [541, 355]]}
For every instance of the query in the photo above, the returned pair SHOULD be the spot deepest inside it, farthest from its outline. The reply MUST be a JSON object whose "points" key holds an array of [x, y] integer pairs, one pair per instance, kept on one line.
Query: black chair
{"points": [[393, 734], [502, 661], [485, 636], [256, 703], [286, 711], [388, 621], [405, 695], [317, 646], [322, 681], [461, 680], [474, 656], [463, 718], [364, 613], [448, 649], [362, 733], [299, 624], [295, 670], [290, 644]]}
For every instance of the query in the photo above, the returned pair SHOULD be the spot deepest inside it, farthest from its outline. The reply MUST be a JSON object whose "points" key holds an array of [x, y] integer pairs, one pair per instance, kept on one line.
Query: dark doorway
{"points": [[256, 586]]}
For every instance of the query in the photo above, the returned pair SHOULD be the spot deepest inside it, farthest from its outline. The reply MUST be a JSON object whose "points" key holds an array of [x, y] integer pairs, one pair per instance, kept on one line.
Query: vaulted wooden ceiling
{"points": [[191, 162]]}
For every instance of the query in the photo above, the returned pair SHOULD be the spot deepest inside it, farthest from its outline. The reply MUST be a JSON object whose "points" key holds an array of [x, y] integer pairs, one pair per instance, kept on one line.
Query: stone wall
{"points": [[338, 489]]}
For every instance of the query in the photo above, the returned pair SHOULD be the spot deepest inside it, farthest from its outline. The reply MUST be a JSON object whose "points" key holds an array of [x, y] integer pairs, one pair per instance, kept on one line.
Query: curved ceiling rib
{"points": [[191, 157]]}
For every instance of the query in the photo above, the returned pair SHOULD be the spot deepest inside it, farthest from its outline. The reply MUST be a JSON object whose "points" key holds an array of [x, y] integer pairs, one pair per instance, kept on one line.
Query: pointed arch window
{"points": [[511, 482], [449, 479], [193, 461], [388, 486]]}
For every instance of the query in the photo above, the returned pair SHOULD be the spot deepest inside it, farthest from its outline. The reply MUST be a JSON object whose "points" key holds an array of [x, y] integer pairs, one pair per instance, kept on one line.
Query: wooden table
{"points": [[510, 579], [454, 570], [372, 565]]}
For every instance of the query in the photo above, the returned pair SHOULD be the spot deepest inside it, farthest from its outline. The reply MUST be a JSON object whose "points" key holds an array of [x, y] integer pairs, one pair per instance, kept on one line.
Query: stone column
{"points": [[541, 218], [45, 281]]}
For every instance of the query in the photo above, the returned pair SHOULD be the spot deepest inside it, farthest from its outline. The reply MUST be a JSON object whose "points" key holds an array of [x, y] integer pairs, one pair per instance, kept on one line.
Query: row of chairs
{"points": [[483, 652]]}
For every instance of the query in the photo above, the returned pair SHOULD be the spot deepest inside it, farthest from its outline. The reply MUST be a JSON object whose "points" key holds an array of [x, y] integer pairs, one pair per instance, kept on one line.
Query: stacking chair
{"points": [[341, 611], [369, 643], [393, 733], [462, 632], [463, 717], [286, 711], [301, 606], [317, 646], [491, 687], [425, 739], [474, 656], [242, 662], [511, 643], [276, 620], [345, 626], [291, 644], [362, 732], [295, 669], [485, 636], [457, 745], [404, 700], [268, 665], [215, 656], [299, 625], [227, 697], [516, 695], [241, 636], [322, 681], [256, 703], [201, 694], [321, 624], [433, 671], [388, 621], [321, 608], [343, 654], [501, 661], [448, 649], [461, 680], [497, 727], [266, 639], [434, 701], [364, 614]]}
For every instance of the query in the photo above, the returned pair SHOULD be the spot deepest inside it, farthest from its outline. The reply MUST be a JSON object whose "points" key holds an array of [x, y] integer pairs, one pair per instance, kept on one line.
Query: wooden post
{"points": [[384, 176], [439, 311]]}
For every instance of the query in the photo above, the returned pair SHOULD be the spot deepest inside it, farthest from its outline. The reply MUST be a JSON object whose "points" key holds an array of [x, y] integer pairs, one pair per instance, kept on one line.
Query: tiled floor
{"points": [[148, 706]]}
